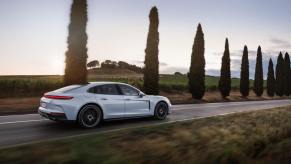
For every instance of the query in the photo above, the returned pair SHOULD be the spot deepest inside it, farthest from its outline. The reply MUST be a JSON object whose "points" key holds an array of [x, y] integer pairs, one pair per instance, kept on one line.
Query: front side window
{"points": [[108, 89], [128, 91]]}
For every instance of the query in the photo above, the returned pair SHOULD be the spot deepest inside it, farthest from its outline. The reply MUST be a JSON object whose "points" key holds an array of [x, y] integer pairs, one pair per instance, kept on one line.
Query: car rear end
{"points": [[61, 104]]}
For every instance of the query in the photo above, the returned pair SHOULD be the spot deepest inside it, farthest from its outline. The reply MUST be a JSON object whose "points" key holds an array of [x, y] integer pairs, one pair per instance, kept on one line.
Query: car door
{"points": [[135, 105], [111, 100]]}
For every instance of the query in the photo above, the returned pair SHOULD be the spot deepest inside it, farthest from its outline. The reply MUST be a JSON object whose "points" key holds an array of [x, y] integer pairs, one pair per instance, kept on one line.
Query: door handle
{"points": [[103, 98], [127, 99]]}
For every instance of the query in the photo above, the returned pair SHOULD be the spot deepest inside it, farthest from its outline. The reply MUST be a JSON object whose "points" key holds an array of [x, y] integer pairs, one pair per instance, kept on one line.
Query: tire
{"points": [[161, 111], [90, 116]]}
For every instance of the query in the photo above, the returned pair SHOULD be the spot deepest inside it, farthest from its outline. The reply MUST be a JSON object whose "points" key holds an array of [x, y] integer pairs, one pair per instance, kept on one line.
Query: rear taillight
{"points": [[58, 97]]}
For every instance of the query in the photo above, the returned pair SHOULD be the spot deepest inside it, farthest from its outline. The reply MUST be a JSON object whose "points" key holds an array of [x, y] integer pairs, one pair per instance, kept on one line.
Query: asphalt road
{"points": [[23, 129]]}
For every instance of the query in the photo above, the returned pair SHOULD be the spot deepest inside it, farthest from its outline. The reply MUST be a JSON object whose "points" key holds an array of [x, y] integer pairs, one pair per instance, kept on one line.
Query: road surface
{"points": [[23, 129]]}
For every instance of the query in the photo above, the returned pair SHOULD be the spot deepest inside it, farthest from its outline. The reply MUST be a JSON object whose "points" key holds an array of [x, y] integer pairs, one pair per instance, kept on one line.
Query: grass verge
{"points": [[254, 137]]}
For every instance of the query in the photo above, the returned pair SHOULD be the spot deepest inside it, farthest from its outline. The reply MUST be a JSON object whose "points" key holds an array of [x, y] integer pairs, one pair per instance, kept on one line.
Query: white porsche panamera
{"points": [[91, 103]]}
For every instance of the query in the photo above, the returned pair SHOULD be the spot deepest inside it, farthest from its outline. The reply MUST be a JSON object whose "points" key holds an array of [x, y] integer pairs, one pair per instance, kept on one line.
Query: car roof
{"points": [[105, 82], [93, 84]]}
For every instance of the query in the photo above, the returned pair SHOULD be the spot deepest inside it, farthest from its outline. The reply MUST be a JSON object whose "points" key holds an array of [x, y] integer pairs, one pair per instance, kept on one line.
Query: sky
{"points": [[33, 33]]}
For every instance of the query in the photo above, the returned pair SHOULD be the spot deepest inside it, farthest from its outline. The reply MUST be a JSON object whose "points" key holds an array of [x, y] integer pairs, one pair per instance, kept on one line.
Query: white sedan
{"points": [[91, 103]]}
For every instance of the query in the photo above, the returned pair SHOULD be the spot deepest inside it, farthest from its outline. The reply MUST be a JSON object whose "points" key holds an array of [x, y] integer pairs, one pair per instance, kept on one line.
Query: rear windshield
{"points": [[68, 88]]}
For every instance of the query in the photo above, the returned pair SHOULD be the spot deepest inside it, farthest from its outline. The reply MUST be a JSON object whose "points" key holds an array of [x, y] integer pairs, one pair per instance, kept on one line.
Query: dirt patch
{"points": [[214, 96], [18, 105]]}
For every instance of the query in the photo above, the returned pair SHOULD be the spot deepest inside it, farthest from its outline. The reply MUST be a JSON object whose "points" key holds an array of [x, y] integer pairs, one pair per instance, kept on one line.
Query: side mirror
{"points": [[140, 94]]}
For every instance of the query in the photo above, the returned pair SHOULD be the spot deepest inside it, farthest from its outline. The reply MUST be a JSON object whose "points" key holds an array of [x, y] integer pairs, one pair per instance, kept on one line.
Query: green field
{"points": [[23, 86], [253, 137]]}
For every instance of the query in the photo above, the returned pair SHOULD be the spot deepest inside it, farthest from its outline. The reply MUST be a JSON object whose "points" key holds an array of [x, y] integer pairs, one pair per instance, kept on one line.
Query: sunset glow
{"points": [[34, 37]]}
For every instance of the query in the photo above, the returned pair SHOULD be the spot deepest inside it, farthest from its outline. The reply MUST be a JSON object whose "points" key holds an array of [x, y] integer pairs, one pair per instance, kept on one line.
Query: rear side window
{"points": [[108, 89]]}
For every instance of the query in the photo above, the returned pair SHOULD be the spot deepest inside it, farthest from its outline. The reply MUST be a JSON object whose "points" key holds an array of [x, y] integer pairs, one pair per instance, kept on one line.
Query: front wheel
{"points": [[89, 116], [161, 111]]}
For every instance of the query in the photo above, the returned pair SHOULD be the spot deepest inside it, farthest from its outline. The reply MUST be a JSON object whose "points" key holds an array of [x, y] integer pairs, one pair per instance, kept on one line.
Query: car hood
{"points": [[159, 98]]}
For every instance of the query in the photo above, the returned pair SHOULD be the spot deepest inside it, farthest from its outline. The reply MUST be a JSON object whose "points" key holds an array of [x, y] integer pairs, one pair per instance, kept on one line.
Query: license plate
{"points": [[43, 104]]}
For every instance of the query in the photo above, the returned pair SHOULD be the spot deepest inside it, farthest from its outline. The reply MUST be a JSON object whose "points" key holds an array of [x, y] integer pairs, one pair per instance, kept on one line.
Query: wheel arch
{"points": [[90, 104], [162, 101], [156, 113]]}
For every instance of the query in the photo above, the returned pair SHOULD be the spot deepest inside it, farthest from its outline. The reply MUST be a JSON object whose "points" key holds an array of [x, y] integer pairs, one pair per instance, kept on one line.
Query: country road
{"points": [[21, 129]]}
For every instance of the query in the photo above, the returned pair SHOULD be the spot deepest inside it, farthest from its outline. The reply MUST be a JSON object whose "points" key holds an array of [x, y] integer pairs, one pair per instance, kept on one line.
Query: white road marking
{"points": [[15, 122]]}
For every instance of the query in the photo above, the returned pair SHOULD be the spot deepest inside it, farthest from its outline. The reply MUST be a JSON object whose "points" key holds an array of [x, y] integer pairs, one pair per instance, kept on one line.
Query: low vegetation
{"points": [[27, 86], [253, 137]]}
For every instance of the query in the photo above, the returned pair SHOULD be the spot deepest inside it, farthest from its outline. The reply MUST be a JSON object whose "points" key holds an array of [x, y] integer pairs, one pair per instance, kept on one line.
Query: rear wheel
{"points": [[161, 111], [89, 116]]}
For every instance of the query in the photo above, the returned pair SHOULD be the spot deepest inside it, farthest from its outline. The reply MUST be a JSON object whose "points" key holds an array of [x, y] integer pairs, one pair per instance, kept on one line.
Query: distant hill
{"points": [[111, 71]]}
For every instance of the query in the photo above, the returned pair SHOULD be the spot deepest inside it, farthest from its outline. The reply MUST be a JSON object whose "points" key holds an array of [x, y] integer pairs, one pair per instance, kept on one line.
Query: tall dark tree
{"points": [[151, 68], [259, 81], [271, 83], [76, 55], [244, 73], [287, 75], [225, 75], [197, 68], [280, 69]]}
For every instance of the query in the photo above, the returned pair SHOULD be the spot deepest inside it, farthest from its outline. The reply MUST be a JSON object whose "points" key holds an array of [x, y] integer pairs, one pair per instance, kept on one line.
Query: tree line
{"points": [[278, 83], [76, 59], [114, 65]]}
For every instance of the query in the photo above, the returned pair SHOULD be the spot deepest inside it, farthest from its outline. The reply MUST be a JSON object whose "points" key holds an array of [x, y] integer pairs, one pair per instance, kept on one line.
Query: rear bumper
{"points": [[56, 116]]}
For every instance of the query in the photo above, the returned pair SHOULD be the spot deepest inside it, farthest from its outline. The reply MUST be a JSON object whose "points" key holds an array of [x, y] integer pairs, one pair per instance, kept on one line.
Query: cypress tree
{"points": [[271, 87], [280, 69], [197, 68], [259, 81], [244, 73], [76, 55], [225, 79], [151, 69], [287, 73]]}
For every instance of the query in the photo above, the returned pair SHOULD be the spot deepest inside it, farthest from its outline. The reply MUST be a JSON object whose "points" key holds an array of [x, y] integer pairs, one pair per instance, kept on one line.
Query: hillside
{"points": [[111, 71], [35, 85]]}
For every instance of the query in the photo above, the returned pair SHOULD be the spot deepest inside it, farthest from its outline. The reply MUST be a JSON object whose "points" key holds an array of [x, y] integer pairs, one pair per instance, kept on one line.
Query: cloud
{"points": [[138, 62], [236, 56], [141, 63], [163, 64], [280, 43], [213, 72], [267, 54], [171, 70]]}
